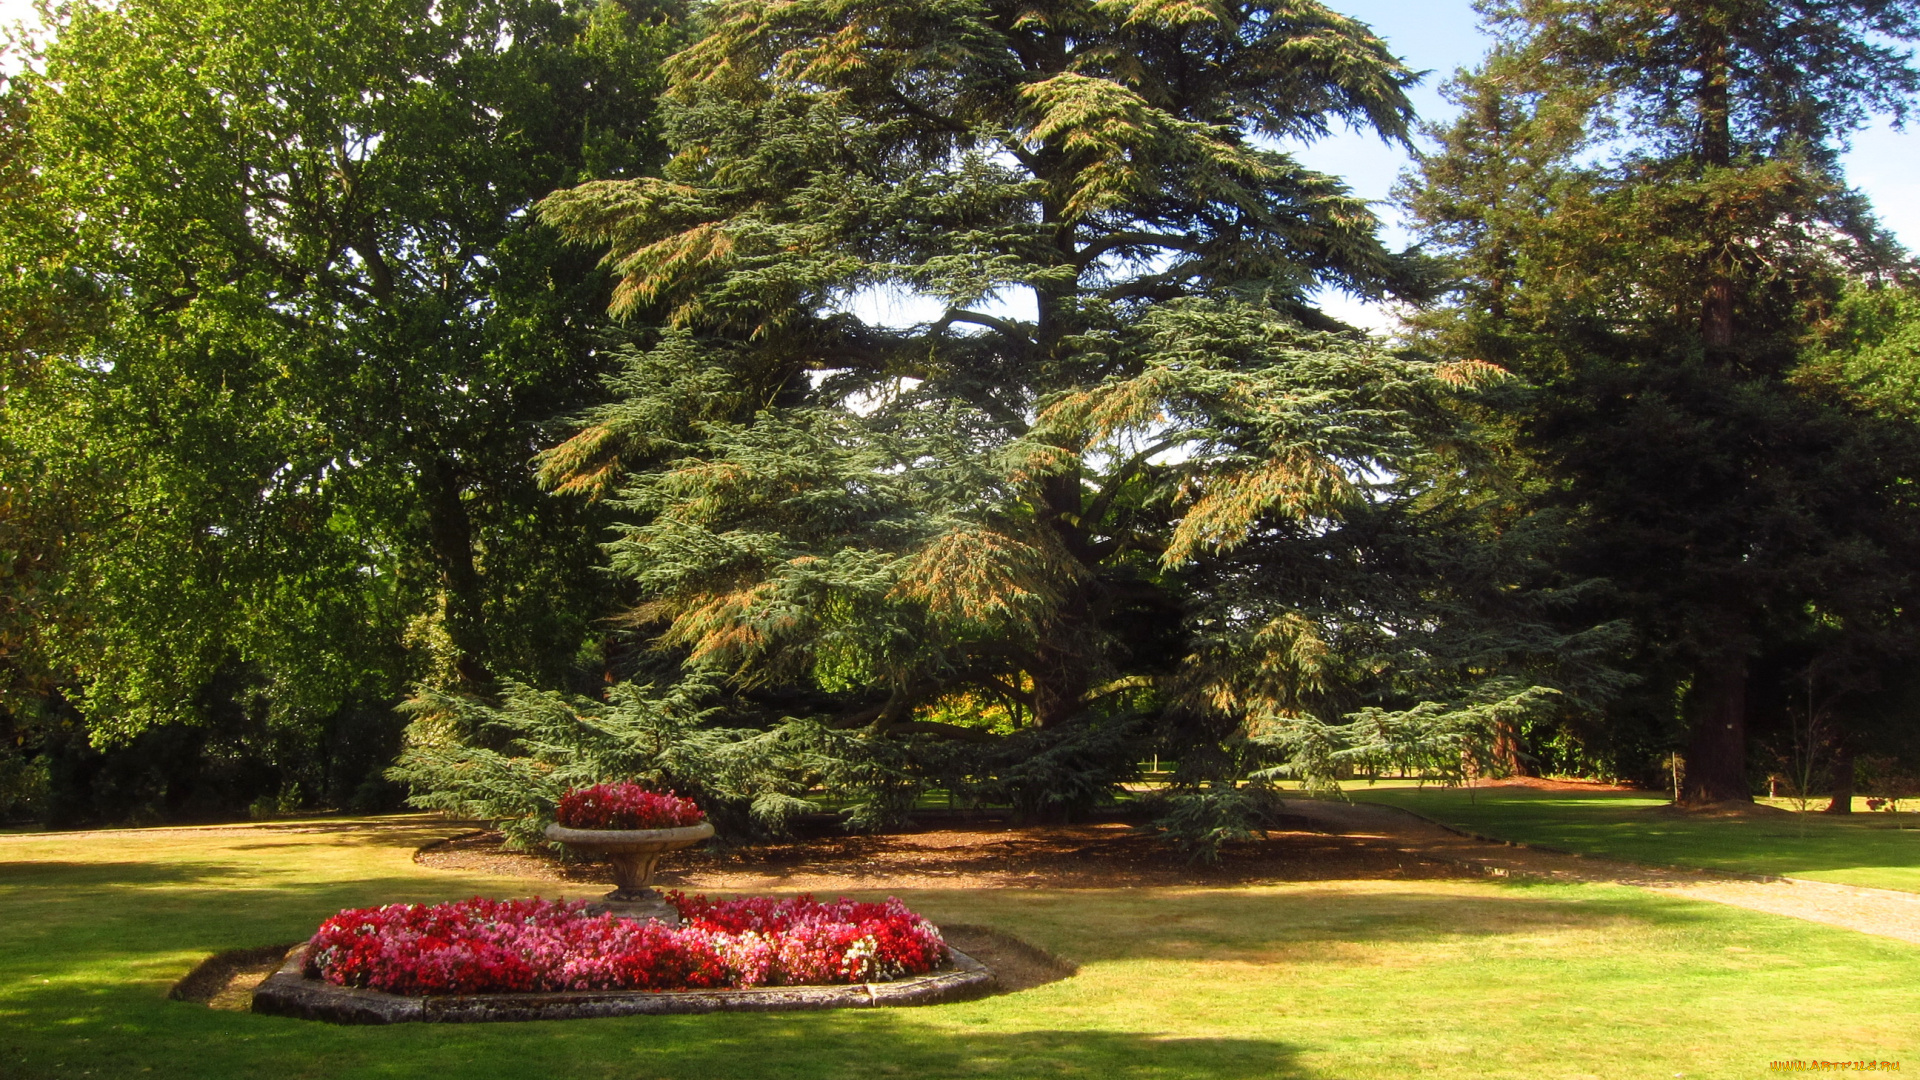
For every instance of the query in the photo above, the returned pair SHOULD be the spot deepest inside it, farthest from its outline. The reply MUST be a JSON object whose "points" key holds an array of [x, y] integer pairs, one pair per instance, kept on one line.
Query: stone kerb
{"points": [[289, 992]]}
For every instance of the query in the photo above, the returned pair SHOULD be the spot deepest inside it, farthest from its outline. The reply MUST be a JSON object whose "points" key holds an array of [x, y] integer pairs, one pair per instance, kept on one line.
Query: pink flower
{"points": [[495, 946]]}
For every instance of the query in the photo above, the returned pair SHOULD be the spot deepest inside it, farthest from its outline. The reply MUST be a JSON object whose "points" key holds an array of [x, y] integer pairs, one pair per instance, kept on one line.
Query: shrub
{"points": [[511, 764], [1201, 822]]}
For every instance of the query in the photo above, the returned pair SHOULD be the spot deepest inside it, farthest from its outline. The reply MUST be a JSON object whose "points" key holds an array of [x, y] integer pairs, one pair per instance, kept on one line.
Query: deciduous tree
{"points": [[325, 334]]}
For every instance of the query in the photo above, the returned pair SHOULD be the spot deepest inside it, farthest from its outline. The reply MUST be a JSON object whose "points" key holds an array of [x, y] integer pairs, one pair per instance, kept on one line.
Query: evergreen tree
{"points": [[1168, 489], [1645, 207]]}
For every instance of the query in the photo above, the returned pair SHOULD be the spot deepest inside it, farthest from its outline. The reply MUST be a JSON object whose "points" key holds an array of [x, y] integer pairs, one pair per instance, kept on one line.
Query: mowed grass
{"points": [[1878, 850], [1346, 980]]}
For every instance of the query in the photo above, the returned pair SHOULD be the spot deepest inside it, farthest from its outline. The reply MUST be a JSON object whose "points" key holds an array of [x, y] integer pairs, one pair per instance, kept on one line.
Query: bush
{"points": [[1202, 821], [511, 764], [1059, 774]]}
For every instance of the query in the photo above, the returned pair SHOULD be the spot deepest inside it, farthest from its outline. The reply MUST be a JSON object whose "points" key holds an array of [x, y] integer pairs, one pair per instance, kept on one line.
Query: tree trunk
{"points": [[1716, 152], [1717, 751], [1716, 319], [1507, 751], [1062, 667], [1060, 684], [450, 531], [1842, 781]]}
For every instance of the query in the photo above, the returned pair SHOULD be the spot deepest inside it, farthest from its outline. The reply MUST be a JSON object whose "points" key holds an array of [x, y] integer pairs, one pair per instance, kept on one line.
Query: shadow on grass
{"points": [[794, 1046], [94, 875], [400, 831]]}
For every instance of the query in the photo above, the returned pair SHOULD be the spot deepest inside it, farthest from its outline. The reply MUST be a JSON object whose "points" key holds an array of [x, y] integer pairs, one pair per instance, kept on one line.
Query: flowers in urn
{"points": [[631, 827], [626, 806]]}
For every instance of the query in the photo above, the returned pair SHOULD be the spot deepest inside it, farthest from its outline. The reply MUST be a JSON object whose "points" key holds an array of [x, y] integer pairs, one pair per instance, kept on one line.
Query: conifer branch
{"points": [[1005, 326], [1094, 249]]}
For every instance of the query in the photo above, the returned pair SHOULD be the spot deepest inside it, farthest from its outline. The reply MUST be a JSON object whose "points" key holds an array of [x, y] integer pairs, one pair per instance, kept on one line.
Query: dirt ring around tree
{"points": [[976, 852]]}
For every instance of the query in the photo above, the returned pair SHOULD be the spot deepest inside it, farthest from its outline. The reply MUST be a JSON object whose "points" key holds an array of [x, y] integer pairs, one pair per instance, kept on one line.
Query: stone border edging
{"points": [[288, 992]]}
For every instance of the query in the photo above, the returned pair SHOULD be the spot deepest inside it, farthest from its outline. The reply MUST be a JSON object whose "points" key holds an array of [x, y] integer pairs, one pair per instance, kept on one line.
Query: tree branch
{"points": [[1101, 502], [1114, 241], [1005, 326], [950, 731]]}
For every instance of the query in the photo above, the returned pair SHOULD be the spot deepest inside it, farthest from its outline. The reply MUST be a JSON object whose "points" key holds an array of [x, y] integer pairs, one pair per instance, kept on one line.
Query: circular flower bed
{"points": [[625, 806], [484, 946]]}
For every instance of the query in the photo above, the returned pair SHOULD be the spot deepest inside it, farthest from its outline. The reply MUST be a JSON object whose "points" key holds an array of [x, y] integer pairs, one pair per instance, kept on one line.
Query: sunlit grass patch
{"points": [[1879, 850], [1345, 979]]}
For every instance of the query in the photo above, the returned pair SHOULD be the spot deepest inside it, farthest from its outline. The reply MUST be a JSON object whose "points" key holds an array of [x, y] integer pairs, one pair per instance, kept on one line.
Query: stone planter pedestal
{"points": [[634, 853]]}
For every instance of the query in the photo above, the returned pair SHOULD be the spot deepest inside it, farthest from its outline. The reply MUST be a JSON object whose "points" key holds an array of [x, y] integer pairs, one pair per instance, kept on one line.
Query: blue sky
{"points": [[1442, 36]]}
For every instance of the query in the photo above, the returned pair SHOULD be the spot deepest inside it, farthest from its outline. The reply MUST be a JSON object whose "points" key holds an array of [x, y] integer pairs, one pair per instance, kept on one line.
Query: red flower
{"points": [[497, 946], [625, 806]]}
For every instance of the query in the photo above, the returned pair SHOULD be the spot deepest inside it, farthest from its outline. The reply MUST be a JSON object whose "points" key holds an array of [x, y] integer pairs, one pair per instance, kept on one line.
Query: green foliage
{"points": [[1061, 774], [1201, 822], [1128, 504], [511, 763], [1644, 207], [1872, 345], [23, 787], [293, 336]]}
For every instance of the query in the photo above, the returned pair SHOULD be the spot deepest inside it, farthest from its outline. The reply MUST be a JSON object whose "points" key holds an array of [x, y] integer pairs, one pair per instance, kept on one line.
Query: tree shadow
{"points": [[891, 1044], [739, 1046], [48, 874]]}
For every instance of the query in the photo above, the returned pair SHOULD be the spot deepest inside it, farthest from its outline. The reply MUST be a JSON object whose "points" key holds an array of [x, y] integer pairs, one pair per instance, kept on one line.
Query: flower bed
{"points": [[625, 806], [484, 946]]}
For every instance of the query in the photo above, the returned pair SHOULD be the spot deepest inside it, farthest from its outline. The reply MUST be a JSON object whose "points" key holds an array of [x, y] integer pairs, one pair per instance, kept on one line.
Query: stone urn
{"points": [[634, 853]]}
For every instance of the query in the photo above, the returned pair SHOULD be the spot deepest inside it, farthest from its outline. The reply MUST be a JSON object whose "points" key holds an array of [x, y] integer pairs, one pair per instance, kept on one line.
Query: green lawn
{"points": [[1349, 980], [1874, 849]]}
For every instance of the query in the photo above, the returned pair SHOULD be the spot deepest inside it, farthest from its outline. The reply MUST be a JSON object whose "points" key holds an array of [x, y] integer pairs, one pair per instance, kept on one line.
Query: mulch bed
{"points": [[983, 852]]}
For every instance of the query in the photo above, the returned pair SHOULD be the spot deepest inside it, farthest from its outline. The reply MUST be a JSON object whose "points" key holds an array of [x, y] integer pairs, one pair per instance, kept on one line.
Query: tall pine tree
{"points": [[1127, 470], [1647, 213]]}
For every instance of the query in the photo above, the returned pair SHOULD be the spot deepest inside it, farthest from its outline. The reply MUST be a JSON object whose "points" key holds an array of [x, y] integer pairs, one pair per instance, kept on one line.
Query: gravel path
{"points": [[1885, 912]]}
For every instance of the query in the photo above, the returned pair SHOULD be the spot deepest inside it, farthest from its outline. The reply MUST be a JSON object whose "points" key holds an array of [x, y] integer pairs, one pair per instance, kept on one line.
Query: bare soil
{"points": [[1554, 783], [1016, 965], [227, 980], [979, 854], [1318, 841]]}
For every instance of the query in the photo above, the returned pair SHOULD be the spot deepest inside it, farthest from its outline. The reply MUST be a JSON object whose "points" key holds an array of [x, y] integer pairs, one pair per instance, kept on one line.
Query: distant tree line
{"points": [[458, 401]]}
